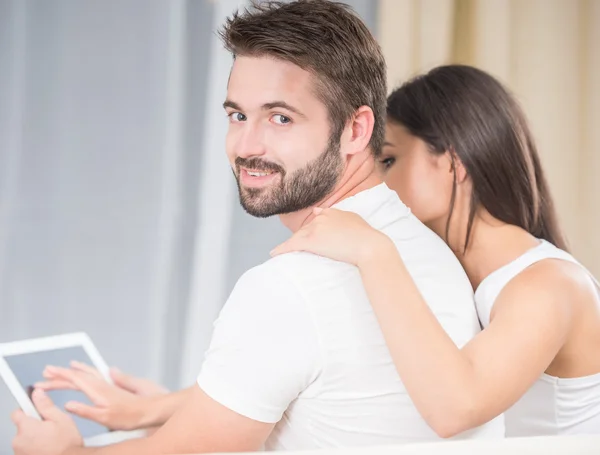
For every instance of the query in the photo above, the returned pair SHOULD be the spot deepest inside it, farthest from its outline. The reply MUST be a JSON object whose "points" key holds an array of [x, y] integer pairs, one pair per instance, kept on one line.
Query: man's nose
{"points": [[250, 144]]}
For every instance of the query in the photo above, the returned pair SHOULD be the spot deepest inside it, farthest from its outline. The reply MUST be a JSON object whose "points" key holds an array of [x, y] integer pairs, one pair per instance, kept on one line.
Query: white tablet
{"points": [[22, 364]]}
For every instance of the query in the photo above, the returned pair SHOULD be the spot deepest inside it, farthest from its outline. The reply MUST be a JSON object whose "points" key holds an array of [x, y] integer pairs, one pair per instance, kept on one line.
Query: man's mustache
{"points": [[258, 165]]}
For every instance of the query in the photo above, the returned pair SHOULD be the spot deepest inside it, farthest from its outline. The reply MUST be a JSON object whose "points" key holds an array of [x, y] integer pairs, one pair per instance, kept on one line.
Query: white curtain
{"points": [[548, 53], [216, 201]]}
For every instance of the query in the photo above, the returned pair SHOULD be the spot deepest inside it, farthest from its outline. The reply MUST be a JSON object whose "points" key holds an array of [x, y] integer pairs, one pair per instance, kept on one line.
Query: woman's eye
{"points": [[387, 162]]}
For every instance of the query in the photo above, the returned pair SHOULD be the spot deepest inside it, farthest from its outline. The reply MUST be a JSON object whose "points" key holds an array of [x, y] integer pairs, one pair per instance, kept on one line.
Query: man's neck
{"points": [[359, 176]]}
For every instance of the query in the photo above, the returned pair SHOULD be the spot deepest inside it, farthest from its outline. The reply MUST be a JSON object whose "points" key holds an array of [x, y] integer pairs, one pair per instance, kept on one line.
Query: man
{"points": [[297, 359]]}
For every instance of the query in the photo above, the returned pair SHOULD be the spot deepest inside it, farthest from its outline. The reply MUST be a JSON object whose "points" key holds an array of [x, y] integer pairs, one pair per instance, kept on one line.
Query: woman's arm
{"points": [[453, 389]]}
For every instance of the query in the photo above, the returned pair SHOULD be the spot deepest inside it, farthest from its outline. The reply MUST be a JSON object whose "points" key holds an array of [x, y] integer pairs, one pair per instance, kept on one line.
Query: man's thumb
{"points": [[45, 406]]}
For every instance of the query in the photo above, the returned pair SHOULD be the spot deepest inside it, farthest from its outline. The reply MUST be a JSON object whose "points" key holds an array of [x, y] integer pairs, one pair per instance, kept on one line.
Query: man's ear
{"points": [[360, 129]]}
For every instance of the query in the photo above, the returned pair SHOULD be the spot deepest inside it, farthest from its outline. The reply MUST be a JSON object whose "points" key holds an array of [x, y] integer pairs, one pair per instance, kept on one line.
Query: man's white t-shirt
{"points": [[298, 344]]}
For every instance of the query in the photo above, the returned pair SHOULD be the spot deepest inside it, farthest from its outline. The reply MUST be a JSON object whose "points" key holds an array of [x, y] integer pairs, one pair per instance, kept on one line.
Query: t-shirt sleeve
{"points": [[264, 350]]}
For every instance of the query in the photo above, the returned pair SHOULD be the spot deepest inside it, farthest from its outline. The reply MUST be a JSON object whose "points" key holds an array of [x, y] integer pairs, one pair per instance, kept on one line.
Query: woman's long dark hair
{"points": [[465, 110]]}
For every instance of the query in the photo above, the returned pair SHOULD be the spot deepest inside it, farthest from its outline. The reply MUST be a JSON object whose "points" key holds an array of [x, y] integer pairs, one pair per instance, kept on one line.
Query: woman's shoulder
{"points": [[550, 282]]}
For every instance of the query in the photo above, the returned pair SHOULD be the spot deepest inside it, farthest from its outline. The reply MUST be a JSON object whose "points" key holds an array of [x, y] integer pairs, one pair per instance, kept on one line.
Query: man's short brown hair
{"points": [[326, 38]]}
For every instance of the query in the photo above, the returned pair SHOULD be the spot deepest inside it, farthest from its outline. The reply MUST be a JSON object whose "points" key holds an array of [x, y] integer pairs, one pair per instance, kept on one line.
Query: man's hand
{"points": [[118, 407], [138, 386], [53, 436]]}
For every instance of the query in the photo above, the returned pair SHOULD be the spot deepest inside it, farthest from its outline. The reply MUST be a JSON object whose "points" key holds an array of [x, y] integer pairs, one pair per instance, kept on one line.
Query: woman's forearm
{"points": [[436, 374]]}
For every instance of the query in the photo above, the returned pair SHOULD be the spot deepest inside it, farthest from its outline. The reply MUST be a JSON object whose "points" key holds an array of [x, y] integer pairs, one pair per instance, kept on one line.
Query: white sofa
{"points": [[547, 445]]}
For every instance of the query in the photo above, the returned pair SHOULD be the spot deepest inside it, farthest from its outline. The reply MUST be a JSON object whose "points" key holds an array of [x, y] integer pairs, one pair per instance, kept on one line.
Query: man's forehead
{"points": [[260, 80]]}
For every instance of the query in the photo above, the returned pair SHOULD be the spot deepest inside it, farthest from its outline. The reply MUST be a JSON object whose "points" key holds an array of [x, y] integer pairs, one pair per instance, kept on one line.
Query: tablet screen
{"points": [[28, 369]]}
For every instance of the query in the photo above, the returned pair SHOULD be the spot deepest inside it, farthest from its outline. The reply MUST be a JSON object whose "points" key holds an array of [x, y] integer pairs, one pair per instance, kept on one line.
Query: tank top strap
{"points": [[488, 290]]}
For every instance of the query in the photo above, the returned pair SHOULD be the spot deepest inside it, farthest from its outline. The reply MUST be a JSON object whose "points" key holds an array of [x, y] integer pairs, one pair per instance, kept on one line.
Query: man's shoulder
{"points": [[415, 241], [290, 272]]}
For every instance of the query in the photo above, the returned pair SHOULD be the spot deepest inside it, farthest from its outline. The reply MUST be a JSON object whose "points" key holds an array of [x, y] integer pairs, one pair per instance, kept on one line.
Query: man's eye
{"points": [[237, 117], [281, 119]]}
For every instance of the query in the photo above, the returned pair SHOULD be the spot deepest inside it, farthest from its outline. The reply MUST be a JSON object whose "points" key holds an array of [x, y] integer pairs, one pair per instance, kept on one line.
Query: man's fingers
{"points": [[86, 411], [123, 380], [17, 417], [44, 405], [86, 368], [53, 372], [56, 384], [85, 382]]}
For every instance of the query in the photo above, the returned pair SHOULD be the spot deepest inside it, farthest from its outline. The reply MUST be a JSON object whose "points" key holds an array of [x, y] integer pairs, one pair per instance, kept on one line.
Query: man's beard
{"points": [[302, 189]]}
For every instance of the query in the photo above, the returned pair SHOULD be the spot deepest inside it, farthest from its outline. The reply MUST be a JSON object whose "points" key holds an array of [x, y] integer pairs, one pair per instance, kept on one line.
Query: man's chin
{"points": [[253, 202], [249, 192], [258, 212]]}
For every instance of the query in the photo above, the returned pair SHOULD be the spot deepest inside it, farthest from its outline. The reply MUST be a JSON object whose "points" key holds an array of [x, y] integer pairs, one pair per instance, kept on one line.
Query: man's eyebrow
{"points": [[386, 143], [282, 105], [232, 105]]}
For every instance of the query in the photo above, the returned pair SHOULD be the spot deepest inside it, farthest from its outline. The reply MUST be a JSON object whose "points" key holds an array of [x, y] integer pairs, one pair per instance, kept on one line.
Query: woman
{"points": [[460, 154]]}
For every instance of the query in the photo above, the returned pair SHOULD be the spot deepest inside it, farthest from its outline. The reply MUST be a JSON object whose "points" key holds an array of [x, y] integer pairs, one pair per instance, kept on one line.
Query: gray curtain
{"points": [[102, 118], [98, 181]]}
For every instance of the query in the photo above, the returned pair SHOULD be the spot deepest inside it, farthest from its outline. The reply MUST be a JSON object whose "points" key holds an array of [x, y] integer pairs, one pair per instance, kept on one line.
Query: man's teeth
{"points": [[258, 174]]}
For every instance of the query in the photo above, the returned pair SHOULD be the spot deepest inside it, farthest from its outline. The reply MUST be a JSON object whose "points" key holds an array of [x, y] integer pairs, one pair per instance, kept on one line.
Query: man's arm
{"points": [[203, 425], [263, 354], [200, 426], [159, 409]]}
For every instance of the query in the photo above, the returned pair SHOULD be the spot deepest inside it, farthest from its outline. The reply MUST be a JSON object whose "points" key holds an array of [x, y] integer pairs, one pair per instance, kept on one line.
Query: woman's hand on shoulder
{"points": [[338, 235]]}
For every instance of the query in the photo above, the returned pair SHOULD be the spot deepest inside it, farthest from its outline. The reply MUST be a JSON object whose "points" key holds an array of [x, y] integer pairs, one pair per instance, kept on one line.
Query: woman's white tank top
{"points": [[552, 406]]}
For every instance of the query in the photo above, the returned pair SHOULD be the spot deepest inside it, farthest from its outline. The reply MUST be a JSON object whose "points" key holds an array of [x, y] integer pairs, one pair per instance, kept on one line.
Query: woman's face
{"points": [[423, 179]]}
